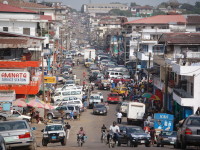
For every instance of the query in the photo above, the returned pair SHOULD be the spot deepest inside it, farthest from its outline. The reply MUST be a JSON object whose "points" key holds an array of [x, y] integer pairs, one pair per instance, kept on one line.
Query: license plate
{"points": [[101, 112], [165, 139], [53, 137], [142, 141], [171, 142], [10, 139]]}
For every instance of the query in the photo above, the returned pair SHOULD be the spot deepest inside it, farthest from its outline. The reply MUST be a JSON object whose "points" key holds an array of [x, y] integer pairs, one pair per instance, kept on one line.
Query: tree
{"points": [[133, 4], [163, 5], [174, 4], [186, 6]]}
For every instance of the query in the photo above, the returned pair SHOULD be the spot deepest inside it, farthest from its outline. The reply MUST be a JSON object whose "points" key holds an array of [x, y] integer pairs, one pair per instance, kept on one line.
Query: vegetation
{"points": [[117, 12], [191, 9]]}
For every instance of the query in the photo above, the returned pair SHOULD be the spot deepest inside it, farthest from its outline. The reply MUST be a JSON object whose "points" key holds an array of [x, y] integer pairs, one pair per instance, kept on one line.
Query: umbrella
{"points": [[48, 106], [147, 95], [19, 103], [154, 97], [36, 103]]}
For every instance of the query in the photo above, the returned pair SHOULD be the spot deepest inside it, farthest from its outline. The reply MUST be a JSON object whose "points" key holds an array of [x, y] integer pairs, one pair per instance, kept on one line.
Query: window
{"points": [[66, 93], [198, 29], [26, 31], [5, 28]]}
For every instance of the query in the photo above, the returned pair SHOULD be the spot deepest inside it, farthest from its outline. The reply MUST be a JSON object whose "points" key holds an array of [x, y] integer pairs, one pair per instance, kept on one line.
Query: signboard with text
{"points": [[163, 121], [50, 79], [14, 77]]}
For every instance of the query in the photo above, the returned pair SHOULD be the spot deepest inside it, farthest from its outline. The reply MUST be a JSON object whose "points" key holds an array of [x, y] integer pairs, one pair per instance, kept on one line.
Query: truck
{"points": [[89, 57], [135, 113]]}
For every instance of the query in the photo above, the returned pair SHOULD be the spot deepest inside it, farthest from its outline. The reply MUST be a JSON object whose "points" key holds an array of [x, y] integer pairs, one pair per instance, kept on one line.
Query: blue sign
{"points": [[163, 121]]}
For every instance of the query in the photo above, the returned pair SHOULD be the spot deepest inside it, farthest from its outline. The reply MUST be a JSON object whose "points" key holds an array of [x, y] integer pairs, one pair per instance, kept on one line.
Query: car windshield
{"points": [[99, 106], [169, 133], [16, 125], [113, 95], [94, 97], [135, 130], [54, 128], [194, 121], [69, 82]]}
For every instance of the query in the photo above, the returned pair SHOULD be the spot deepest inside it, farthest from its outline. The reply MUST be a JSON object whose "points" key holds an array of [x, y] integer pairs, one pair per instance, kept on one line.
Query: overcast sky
{"points": [[78, 3]]}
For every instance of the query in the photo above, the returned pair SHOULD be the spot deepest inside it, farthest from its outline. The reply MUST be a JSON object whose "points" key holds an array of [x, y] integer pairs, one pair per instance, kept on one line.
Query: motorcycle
{"points": [[80, 140], [111, 141], [103, 137]]}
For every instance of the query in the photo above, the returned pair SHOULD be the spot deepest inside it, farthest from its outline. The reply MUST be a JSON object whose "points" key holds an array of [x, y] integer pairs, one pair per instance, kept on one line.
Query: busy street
{"points": [[99, 75]]}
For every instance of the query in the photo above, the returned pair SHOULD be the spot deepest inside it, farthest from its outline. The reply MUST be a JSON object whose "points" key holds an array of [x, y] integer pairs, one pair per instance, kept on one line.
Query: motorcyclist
{"points": [[81, 134], [114, 129]]}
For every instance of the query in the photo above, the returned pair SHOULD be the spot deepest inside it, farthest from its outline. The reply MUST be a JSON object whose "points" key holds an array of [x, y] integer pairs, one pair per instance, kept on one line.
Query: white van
{"points": [[68, 92], [135, 112], [115, 74], [67, 87]]}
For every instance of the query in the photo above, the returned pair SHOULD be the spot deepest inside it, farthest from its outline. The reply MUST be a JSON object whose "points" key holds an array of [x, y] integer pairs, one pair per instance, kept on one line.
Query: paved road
{"points": [[91, 124]]}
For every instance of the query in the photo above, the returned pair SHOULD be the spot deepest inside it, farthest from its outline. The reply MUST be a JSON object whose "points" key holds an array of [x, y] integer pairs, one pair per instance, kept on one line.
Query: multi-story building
{"points": [[178, 73], [142, 10]]}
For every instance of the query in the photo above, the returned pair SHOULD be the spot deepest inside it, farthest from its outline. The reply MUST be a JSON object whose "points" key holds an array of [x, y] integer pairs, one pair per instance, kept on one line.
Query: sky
{"points": [[76, 4]]}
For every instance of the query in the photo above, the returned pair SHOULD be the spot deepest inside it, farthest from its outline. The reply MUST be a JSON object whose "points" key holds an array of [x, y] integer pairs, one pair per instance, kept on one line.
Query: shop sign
{"points": [[14, 77], [50, 79]]}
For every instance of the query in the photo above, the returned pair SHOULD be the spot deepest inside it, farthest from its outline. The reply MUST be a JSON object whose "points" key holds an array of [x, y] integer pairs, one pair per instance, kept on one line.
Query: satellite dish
{"points": [[5, 2]]}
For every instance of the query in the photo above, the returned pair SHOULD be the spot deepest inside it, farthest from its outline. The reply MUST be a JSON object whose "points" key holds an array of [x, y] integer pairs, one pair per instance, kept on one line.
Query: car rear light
{"points": [[26, 135], [188, 131]]}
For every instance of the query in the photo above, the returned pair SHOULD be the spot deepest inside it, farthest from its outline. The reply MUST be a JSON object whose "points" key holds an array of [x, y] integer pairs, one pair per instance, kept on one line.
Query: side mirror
{"points": [[42, 130], [33, 128]]}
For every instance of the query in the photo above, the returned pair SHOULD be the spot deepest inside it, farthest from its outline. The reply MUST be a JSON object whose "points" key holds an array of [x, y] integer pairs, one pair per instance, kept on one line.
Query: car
{"points": [[16, 115], [188, 133], [133, 136], [18, 134], [113, 98], [123, 108], [2, 143], [54, 133], [120, 90], [66, 99], [56, 113], [166, 138], [94, 99], [104, 85], [100, 109]]}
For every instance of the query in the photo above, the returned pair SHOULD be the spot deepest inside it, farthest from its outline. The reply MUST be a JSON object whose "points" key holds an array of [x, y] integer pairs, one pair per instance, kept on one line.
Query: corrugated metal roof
{"points": [[160, 19]]}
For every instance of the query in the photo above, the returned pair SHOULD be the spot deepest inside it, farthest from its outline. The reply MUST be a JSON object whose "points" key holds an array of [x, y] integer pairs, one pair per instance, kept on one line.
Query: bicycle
{"points": [[103, 137], [111, 142]]}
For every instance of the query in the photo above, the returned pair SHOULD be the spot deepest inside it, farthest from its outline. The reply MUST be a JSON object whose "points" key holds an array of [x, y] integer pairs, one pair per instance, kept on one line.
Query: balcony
{"points": [[183, 98], [143, 56], [31, 89], [156, 30], [19, 64]]}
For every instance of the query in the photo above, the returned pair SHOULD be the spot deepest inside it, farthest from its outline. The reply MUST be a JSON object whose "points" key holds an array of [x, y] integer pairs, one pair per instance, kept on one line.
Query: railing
{"points": [[182, 93]]}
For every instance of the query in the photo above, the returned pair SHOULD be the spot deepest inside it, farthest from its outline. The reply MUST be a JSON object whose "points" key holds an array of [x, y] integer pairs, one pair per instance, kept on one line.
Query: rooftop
{"points": [[23, 4], [180, 38], [13, 9], [160, 19]]}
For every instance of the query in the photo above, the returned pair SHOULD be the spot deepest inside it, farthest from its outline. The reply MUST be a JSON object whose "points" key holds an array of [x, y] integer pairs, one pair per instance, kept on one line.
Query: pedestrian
{"points": [[62, 116], [78, 62], [119, 117], [71, 115], [147, 129], [33, 114], [152, 134], [37, 116], [67, 129], [85, 104], [74, 76]]}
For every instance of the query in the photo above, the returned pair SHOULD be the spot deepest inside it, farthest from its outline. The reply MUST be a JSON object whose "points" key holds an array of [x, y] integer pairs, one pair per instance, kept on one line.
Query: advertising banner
{"points": [[163, 121], [14, 77], [50, 79]]}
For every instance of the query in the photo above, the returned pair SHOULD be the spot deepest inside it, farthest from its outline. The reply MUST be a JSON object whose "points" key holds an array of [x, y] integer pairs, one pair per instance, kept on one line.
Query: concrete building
{"points": [[142, 11]]}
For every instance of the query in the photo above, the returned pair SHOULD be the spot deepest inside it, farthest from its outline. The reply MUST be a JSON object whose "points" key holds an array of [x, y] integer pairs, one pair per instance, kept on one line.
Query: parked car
{"points": [[2, 143], [166, 138], [188, 133], [18, 134], [123, 108], [16, 115], [56, 113], [113, 98], [54, 133], [100, 109], [133, 136]]}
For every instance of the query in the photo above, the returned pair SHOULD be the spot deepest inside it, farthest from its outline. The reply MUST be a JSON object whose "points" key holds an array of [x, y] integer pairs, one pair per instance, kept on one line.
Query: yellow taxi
{"points": [[120, 90]]}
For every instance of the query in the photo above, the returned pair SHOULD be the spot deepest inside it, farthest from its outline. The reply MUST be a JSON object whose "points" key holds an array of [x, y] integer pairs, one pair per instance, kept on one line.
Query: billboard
{"points": [[163, 121], [50, 79], [14, 77]]}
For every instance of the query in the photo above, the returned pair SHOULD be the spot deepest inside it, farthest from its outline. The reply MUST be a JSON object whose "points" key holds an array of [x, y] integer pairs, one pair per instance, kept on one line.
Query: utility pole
{"points": [[149, 63], [124, 50], [166, 87]]}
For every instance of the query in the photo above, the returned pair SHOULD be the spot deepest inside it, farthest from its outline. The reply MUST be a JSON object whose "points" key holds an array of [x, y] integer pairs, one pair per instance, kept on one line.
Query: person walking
{"points": [[152, 134], [67, 129], [119, 117], [71, 115]]}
